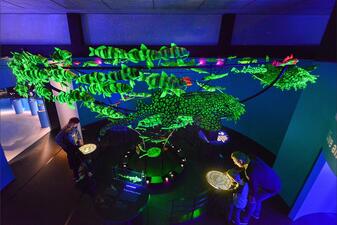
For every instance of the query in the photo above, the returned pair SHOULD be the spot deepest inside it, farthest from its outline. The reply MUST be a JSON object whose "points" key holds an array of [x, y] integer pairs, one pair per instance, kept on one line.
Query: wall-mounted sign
{"points": [[330, 149]]}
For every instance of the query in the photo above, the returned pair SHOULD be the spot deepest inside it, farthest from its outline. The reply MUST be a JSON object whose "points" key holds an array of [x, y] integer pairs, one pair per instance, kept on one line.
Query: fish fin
{"points": [[163, 94], [173, 45], [132, 83], [143, 47], [92, 51], [149, 64], [162, 48]]}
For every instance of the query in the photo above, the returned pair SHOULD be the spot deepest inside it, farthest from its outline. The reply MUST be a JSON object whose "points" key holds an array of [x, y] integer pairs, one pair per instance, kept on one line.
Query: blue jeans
{"points": [[254, 204], [234, 214]]}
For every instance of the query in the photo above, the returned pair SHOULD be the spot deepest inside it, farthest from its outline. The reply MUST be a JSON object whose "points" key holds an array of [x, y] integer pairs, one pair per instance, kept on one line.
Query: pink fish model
{"points": [[289, 60], [98, 61], [76, 63]]}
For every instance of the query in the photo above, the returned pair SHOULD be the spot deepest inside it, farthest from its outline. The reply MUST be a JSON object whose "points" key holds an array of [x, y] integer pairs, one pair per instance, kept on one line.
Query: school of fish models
{"points": [[112, 78]]}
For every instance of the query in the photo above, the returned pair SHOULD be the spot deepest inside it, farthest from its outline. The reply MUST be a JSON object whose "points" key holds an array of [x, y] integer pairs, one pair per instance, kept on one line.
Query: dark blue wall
{"points": [[307, 131], [7, 79]]}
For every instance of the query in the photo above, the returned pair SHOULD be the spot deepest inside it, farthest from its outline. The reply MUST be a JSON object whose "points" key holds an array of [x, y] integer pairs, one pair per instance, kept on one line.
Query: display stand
{"points": [[18, 107], [33, 106], [43, 117]]}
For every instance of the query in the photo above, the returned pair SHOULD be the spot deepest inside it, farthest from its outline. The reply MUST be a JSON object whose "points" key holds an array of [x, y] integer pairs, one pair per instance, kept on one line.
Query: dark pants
{"points": [[234, 214], [254, 204], [74, 163]]}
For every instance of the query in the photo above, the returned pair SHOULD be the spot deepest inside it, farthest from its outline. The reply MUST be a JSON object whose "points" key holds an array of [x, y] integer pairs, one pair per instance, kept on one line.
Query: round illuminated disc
{"points": [[87, 149], [218, 180], [153, 152]]}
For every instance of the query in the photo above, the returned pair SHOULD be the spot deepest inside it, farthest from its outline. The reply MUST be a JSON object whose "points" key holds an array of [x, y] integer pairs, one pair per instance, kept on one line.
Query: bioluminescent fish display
{"points": [[165, 101]]}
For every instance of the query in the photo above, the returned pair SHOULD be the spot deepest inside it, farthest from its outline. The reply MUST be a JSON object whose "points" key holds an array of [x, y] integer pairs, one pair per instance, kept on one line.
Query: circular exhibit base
{"points": [[159, 167]]}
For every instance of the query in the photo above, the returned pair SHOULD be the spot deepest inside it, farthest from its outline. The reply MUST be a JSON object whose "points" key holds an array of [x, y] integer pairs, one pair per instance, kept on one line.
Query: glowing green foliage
{"points": [[294, 78]]}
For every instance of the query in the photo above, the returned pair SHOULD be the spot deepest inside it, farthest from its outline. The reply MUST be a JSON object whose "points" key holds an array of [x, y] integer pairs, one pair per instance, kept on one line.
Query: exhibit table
{"points": [[121, 201]]}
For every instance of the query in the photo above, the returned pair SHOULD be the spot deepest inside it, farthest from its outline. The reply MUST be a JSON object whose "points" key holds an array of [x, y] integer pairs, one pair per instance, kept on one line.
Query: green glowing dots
{"points": [[294, 78]]}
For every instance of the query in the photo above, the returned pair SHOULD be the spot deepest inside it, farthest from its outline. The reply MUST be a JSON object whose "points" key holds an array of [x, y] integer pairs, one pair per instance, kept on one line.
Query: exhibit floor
{"points": [[18, 132], [44, 193]]}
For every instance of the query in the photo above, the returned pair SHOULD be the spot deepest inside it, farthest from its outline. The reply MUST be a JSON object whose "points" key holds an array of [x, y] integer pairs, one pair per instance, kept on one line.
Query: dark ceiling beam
{"points": [[226, 33], [222, 49], [76, 34], [328, 46]]}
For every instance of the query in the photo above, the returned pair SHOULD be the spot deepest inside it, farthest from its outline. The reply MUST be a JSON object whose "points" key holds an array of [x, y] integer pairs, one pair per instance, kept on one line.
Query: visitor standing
{"points": [[262, 180], [70, 140]]}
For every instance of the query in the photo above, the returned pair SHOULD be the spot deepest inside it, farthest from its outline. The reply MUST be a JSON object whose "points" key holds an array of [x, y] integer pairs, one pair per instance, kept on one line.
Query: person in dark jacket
{"points": [[70, 139], [262, 180]]}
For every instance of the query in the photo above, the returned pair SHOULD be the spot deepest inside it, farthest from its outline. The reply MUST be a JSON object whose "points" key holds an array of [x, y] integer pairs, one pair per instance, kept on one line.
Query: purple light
{"points": [[98, 61], [220, 62], [202, 62]]}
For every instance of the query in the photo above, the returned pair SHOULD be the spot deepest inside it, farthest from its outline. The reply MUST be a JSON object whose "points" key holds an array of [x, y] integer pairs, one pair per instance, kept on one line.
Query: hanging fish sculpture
{"points": [[43, 92], [247, 60], [214, 76], [200, 71], [168, 84], [36, 76], [172, 52], [289, 60], [72, 96], [126, 73], [210, 88], [108, 52], [109, 88], [60, 75], [62, 56]]}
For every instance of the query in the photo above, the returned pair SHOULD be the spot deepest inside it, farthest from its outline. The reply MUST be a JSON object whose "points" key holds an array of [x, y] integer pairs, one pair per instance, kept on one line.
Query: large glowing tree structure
{"points": [[167, 102]]}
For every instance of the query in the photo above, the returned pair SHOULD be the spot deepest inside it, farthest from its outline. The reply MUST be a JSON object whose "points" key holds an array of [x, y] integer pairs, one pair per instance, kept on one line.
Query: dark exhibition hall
{"points": [[168, 112]]}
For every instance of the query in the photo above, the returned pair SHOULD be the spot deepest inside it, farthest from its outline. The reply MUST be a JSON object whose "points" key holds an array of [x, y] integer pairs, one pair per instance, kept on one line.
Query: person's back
{"points": [[67, 142], [262, 176]]}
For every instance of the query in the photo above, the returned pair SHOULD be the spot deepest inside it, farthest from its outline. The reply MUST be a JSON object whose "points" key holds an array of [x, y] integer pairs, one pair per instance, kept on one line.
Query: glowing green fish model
{"points": [[214, 76]]}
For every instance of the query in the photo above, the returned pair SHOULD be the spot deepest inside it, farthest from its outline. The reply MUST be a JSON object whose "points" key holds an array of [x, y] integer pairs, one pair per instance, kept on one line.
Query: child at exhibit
{"points": [[262, 180], [239, 198]]}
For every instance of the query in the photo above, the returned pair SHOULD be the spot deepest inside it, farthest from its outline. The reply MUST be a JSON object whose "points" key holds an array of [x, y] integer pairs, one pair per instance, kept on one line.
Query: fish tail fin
{"points": [[92, 51]]}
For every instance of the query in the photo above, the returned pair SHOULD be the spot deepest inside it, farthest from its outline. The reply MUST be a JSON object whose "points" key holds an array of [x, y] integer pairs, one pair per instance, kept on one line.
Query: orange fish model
{"points": [[289, 60]]}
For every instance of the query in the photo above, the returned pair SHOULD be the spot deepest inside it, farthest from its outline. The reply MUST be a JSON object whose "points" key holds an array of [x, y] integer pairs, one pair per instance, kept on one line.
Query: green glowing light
{"points": [[167, 105], [156, 180], [133, 179]]}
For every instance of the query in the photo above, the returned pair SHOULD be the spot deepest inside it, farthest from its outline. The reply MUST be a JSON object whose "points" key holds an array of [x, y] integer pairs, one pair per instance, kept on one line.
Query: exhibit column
{"points": [[17, 104]]}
